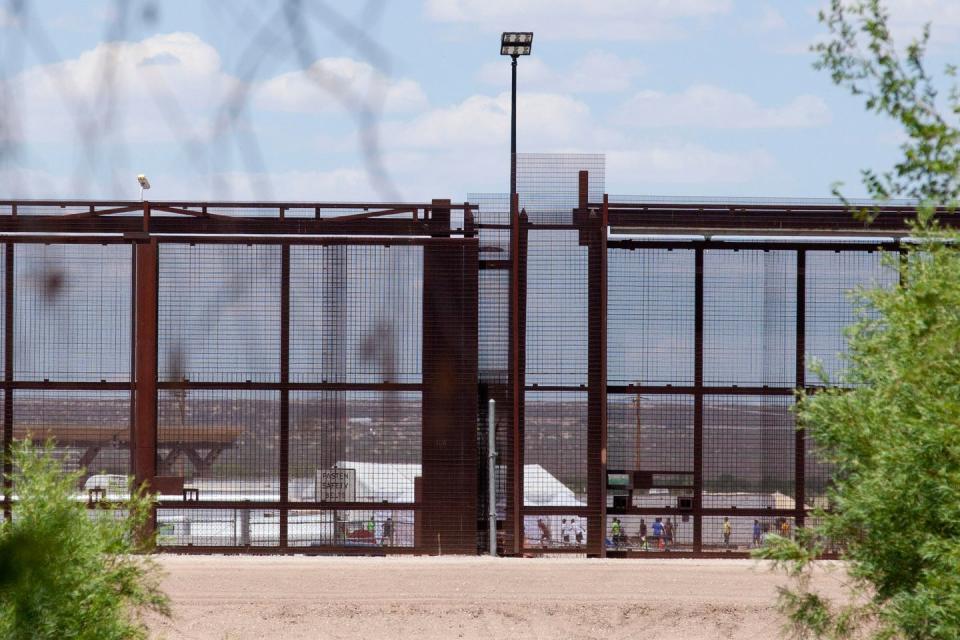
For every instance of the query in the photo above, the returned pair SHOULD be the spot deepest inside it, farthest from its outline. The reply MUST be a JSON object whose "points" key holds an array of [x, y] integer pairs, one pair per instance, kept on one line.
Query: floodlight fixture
{"points": [[144, 184], [516, 43]]}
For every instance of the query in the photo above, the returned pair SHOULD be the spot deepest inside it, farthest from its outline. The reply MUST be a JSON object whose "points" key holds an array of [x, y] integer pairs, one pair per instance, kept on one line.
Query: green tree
{"points": [[894, 431], [65, 574]]}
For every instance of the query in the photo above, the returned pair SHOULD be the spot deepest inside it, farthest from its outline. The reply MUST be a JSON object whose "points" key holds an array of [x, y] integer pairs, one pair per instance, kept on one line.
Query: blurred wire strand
{"points": [[270, 34]]}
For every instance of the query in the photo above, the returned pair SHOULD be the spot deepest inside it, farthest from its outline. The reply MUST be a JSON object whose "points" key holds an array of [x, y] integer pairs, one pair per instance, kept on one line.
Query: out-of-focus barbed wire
{"points": [[265, 37], [268, 35]]}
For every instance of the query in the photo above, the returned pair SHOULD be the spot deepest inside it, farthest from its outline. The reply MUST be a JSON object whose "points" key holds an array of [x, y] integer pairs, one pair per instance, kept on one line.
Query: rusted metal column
{"points": [[7, 377], [439, 218], [698, 403], [448, 510], [146, 217], [517, 314], [596, 374], [800, 441], [284, 471], [144, 438]]}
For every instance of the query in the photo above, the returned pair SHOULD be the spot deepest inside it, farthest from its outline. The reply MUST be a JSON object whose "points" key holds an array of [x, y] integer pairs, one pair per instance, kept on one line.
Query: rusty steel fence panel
{"points": [[284, 376], [316, 377], [737, 324]]}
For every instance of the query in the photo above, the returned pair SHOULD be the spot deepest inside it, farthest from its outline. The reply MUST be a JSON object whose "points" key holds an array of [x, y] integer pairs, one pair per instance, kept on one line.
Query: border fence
{"points": [[315, 377]]}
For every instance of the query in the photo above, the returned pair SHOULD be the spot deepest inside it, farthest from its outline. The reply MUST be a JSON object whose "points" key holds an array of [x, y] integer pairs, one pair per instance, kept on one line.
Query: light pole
{"points": [[514, 44]]}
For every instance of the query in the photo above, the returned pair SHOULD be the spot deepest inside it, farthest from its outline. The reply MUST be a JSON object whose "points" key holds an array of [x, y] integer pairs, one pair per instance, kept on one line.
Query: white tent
{"points": [[379, 482], [543, 489]]}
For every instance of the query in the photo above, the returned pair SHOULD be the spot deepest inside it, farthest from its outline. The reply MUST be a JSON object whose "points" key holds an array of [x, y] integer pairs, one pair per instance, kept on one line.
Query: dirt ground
{"points": [[220, 597]]}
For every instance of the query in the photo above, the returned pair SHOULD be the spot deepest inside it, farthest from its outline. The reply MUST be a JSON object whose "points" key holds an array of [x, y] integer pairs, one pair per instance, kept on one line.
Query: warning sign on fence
{"points": [[336, 485]]}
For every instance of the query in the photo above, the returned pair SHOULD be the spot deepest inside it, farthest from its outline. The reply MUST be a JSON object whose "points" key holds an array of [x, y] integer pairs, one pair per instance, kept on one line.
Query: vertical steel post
{"points": [[7, 377], [902, 253], [800, 451], [698, 403], [515, 490], [492, 473], [284, 391], [145, 345], [595, 232], [449, 447]]}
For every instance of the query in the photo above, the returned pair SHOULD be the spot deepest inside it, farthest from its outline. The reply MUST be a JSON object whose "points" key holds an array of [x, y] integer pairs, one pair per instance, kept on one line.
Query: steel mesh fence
{"points": [[749, 319], [311, 379], [89, 430], [224, 443], [650, 323], [219, 313], [330, 391], [72, 312]]}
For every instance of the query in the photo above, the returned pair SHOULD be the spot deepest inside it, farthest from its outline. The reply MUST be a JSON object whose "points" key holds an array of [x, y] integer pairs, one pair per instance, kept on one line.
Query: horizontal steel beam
{"points": [[207, 225], [793, 219], [275, 505], [340, 550], [759, 245], [228, 204], [293, 386], [706, 390]]}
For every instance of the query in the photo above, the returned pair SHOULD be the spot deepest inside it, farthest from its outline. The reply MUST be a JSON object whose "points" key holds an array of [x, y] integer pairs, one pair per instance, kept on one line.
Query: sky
{"points": [[409, 99]]}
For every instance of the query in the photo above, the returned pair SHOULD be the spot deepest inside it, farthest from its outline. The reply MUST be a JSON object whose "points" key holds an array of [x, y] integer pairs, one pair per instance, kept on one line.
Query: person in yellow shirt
{"points": [[727, 530], [785, 528]]}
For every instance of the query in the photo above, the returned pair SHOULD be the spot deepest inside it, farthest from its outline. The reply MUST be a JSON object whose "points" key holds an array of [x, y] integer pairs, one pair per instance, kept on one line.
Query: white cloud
{"points": [[344, 184], [542, 119], [907, 18], [713, 107], [313, 90], [595, 72], [565, 19], [428, 152], [689, 164], [173, 87], [163, 88], [767, 20], [341, 184]]}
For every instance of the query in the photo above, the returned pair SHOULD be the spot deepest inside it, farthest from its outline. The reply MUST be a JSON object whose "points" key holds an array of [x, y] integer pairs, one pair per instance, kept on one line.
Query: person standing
{"points": [[658, 532], [387, 539], [785, 528], [565, 532], [371, 528], [757, 534], [727, 530], [668, 532], [643, 535], [545, 535], [616, 532], [577, 531]]}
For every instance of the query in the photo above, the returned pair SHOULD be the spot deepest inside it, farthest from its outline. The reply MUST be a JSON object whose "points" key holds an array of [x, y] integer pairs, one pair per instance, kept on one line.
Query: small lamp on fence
{"points": [[144, 184]]}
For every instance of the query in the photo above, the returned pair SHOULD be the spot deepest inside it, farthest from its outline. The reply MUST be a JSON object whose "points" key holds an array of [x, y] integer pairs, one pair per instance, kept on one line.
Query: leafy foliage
{"points": [[862, 57], [894, 433], [65, 574]]}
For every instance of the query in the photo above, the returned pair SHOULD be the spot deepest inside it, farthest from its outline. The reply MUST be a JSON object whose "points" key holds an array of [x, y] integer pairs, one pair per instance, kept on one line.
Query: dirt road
{"points": [[432, 598]]}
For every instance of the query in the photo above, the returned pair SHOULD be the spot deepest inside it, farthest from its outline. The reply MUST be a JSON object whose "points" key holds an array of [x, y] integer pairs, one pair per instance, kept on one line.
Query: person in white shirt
{"points": [[566, 531], [577, 531]]}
